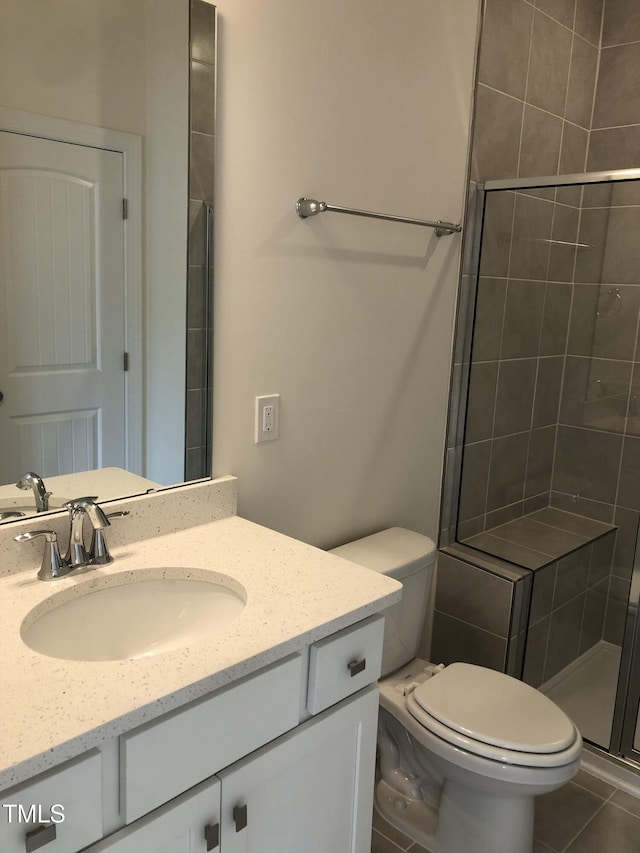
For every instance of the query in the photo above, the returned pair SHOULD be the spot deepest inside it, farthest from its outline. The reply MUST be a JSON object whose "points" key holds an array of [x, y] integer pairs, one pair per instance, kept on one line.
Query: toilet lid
{"points": [[493, 708]]}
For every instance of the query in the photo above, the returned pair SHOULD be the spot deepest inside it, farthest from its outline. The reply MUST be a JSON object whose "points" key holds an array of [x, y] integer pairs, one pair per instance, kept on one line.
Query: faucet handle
{"points": [[53, 566], [98, 550], [76, 555]]}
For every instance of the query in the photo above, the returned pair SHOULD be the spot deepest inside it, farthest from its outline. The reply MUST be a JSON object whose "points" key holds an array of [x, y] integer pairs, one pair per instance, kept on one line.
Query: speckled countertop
{"points": [[52, 710]]}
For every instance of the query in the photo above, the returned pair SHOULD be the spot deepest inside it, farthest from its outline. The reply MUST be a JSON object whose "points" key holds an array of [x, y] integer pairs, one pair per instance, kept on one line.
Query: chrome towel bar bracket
{"points": [[306, 207]]}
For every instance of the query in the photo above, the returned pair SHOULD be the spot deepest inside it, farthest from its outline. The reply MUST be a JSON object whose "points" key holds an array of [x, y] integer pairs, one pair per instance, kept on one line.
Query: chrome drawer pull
{"points": [[39, 836], [356, 666], [212, 835], [240, 817]]}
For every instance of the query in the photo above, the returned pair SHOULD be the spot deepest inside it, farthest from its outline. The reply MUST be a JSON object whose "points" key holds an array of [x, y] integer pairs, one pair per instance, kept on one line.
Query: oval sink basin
{"points": [[133, 615]]}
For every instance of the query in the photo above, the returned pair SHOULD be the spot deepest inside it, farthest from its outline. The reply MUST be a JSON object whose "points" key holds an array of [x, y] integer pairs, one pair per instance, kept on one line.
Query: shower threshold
{"points": [[586, 691]]}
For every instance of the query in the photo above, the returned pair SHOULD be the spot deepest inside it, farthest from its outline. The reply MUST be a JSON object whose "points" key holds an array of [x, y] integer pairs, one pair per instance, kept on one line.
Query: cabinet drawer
{"points": [[343, 663], [69, 796], [166, 757]]}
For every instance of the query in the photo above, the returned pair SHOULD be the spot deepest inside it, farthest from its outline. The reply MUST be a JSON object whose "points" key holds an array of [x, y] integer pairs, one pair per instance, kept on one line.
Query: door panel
{"points": [[61, 307]]}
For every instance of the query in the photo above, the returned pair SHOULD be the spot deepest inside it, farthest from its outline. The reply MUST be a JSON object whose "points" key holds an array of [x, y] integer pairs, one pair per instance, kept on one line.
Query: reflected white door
{"points": [[62, 331]]}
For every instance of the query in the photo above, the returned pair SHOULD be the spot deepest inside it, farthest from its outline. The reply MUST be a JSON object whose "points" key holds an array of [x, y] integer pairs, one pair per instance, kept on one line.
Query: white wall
{"points": [[365, 104]]}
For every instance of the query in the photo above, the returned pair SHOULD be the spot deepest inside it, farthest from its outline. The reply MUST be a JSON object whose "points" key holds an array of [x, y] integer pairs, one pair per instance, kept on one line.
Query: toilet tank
{"points": [[410, 558]]}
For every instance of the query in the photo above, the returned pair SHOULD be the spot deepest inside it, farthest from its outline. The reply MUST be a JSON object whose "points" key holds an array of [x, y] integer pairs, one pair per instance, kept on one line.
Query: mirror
{"points": [[107, 111]]}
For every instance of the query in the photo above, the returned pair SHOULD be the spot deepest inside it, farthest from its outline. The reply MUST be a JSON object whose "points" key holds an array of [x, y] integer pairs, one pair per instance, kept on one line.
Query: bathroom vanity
{"points": [[258, 736]]}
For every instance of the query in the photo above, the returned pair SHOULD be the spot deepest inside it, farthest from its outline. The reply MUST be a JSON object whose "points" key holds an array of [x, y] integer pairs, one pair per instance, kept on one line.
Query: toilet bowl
{"points": [[463, 750]]}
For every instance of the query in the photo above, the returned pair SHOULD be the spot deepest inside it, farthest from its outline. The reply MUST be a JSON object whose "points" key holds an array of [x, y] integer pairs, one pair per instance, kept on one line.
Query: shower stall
{"points": [[542, 485]]}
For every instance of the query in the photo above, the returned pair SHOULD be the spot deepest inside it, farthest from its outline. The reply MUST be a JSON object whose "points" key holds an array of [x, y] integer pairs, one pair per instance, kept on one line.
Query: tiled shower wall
{"points": [[553, 99], [536, 80], [202, 90], [558, 92]]}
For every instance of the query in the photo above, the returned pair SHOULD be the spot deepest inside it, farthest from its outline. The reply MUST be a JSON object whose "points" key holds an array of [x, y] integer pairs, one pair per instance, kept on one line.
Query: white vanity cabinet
{"points": [[307, 792], [280, 761]]}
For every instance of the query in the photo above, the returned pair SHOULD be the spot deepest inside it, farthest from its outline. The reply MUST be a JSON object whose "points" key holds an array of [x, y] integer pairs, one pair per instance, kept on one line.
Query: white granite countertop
{"points": [[52, 710]]}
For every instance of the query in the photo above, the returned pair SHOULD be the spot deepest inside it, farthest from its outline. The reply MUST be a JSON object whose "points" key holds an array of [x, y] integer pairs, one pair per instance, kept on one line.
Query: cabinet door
{"points": [[310, 791], [188, 824]]}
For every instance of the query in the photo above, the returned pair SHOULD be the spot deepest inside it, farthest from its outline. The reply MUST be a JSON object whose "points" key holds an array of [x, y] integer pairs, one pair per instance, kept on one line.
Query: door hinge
{"points": [[125, 208], [125, 361]]}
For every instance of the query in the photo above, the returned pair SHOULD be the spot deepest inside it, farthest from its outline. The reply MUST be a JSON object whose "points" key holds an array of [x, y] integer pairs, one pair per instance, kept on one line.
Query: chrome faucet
{"points": [[79, 509], [77, 557], [36, 483]]}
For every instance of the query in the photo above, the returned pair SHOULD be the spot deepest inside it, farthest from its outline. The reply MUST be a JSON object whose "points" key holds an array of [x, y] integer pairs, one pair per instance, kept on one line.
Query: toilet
{"points": [[462, 749]]}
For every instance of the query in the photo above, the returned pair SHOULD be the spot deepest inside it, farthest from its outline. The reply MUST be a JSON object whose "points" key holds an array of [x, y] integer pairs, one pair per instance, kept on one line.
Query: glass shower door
{"points": [[550, 474]]}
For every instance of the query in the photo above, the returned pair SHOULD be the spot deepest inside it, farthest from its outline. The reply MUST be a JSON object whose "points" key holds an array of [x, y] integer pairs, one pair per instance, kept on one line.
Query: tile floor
{"points": [[586, 816]]}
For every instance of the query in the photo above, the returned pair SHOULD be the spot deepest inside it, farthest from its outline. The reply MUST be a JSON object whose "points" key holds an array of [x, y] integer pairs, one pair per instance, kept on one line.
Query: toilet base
{"points": [[466, 820]]}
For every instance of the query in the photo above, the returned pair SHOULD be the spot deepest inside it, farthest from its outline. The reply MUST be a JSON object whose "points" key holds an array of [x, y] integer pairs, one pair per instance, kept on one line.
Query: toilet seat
{"points": [[493, 715]]}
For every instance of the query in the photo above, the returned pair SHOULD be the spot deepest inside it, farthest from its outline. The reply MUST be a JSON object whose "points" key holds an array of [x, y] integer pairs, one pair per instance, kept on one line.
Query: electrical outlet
{"points": [[267, 418]]}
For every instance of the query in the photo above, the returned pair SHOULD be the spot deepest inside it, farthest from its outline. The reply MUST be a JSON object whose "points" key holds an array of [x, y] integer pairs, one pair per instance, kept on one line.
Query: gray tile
{"points": [[627, 802], [604, 321], [531, 233], [594, 232], [508, 471], [595, 393], [564, 637], [612, 829], [475, 474], [202, 98], [548, 385], [587, 463], [201, 167], [496, 235], [595, 605], [507, 550], [487, 327], [582, 81], [560, 815], [454, 640], [589, 19], [514, 398], [504, 48], [496, 137], [618, 94], [195, 359], [572, 576], [601, 558], [195, 298], [582, 506], [400, 839], [503, 515], [536, 651], [544, 581], [473, 595], [483, 380], [548, 66], [561, 10], [627, 521], [540, 537], [564, 233], [203, 31], [621, 22], [522, 319], [540, 147], [555, 319], [542, 444], [616, 610], [380, 844], [628, 491], [588, 527], [613, 148], [594, 784], [622, 256], [196, 233]]}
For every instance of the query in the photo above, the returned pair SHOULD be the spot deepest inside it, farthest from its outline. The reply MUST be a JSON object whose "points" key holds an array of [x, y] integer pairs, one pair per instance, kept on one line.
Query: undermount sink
{"points": [[133, 614]]}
